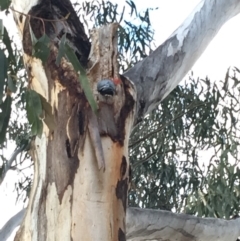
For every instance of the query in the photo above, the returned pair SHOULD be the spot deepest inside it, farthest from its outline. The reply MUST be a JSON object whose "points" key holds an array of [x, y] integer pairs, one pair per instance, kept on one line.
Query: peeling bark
{"points": [[71, 199]]}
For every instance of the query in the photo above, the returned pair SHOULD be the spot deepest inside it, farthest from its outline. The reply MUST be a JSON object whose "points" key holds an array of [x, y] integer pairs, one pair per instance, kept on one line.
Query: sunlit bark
{"points": [[147, 224], [71, 199]]}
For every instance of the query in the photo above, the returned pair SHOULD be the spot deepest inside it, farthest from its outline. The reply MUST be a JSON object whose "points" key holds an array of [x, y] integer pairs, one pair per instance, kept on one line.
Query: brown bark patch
{"points": [[123, 167], [68, 148], [106, 122], [126, 110], [121, 192], [62, 164], [21, 18], [81, 122], [121, 235], [64, 74]]}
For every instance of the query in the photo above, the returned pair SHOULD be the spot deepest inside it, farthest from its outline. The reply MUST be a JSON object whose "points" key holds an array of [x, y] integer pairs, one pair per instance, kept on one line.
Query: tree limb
{"points": [[11, 224], [158, 74], [147, 224], [158, 225], [9, 163]]}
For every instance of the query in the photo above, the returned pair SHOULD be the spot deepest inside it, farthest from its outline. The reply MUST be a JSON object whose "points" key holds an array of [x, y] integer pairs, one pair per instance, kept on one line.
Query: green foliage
{"points": [[12, 108], [66, 51], [3, 72], [4, 117], [200, 117], [4, 4], [47, 113], [1, 29], [135, 31], [10, 64], [11, 84], [34, 112], [40, 46]]}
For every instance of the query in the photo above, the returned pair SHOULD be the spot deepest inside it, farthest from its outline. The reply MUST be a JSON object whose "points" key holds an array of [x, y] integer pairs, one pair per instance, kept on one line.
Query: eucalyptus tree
{"points": [[82, 111]]}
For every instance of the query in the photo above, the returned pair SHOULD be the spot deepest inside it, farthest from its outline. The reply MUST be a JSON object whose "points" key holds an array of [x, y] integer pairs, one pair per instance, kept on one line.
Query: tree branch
{"points": [[11, 224], [9, 163], [147, 224], [158, 74]]}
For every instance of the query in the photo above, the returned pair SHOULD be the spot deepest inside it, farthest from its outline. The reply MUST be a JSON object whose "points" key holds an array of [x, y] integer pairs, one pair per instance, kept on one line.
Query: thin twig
{"points": [[9, 163], [164, 126], [42, 19]]}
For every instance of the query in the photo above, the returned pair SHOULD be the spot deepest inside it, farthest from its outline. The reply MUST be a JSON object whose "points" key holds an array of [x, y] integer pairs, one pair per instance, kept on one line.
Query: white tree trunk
{"points": [[71, 199], [81, 166]]}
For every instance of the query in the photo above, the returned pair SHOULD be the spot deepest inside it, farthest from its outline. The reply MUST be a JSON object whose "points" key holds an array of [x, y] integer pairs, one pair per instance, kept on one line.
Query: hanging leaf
{"points": [[5, 108], [41, 48], [1, 29], [48, 114], [66, 51], [37, 127], [61, 50], [82, 77], [34, 112], [12, 84], [7, 42], [3, 72]]}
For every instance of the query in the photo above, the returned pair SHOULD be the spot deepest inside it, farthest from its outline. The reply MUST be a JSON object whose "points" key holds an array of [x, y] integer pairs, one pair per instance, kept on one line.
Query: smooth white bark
{"points": [[11, 224], [158, 74], [147, 224], [157, 225]]}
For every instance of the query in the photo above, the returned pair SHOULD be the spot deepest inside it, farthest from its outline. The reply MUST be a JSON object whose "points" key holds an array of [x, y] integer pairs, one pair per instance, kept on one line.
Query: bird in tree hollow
{"points": [[108, 86]]}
